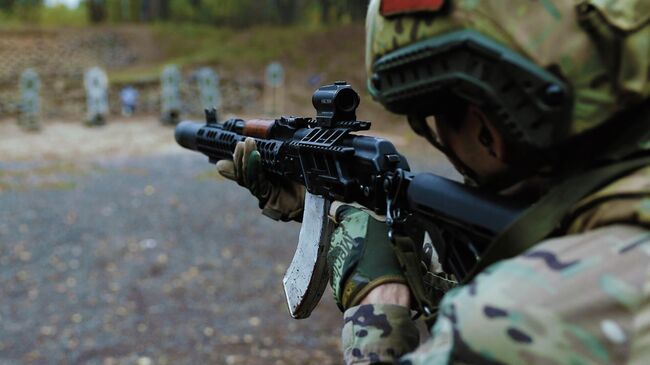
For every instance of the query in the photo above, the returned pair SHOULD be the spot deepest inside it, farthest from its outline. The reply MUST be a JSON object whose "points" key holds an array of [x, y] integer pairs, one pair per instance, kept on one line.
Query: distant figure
{"points": [[30, 104], [315, 80], [170, 98], [96, 84], [129, 97]]}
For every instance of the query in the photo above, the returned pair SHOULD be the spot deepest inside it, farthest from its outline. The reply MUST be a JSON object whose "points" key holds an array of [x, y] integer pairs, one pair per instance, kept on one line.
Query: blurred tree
{"points": [[97, 11], [233, 13], [240, 13], [288, 10], [116, 11], [342, 10], [7, 6], [183, 10], [164, 9], [357, 9], [325, 10], [28, 10], [150, 10], [125, 10]]}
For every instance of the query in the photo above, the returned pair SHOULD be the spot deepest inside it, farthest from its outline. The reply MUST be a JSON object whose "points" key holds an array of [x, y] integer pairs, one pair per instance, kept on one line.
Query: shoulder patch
{"points": [[396, 7]]}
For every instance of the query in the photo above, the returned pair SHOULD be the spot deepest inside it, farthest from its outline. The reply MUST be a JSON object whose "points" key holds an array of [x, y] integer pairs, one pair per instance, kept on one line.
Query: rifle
{"points": [[334, 164]]}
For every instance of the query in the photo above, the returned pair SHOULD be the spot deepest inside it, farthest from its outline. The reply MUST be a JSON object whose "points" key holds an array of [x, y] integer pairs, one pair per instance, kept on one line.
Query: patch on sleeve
{"points": [[395, 7]]}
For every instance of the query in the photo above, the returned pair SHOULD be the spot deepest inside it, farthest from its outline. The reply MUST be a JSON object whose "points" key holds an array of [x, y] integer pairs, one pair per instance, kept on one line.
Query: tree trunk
{"points": [[325, 11], [357, 9], [287, 10], [164, 10], [150, 10], [7, 5], [97, 11]]}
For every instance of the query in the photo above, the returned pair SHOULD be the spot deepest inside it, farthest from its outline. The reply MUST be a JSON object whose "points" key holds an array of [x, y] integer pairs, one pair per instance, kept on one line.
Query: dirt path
{"points": [[67, 141]]}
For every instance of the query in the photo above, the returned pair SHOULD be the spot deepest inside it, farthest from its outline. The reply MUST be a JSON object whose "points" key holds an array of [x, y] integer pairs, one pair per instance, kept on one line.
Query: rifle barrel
{"points": [[186, 133]]}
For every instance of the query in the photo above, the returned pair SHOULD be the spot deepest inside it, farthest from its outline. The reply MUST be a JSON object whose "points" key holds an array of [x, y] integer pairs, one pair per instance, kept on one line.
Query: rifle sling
{"points": [[547, 215], [410, 261]]}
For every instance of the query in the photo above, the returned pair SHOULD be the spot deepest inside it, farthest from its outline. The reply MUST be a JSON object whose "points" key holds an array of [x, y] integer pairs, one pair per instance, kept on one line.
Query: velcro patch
{"points": [[395, 7]]}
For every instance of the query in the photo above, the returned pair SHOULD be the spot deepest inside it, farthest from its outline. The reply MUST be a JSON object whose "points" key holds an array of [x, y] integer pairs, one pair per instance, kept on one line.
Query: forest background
{"points": [[235, 13]]}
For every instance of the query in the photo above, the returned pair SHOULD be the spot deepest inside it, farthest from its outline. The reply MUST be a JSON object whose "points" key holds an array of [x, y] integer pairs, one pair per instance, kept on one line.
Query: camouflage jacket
{"points": [[577, 299]]}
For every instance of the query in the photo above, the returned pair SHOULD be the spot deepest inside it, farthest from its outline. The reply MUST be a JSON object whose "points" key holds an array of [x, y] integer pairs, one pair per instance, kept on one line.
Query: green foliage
{"points": [[16, 13], [23, 10], [61, 15], [234, 13], [231, 13], [123, 11], [183, 10], [7, 6]]}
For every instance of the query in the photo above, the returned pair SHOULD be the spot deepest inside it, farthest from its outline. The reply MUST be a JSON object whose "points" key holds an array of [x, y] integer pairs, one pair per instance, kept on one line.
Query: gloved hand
{"points": [[279, 198], [360, 257]]}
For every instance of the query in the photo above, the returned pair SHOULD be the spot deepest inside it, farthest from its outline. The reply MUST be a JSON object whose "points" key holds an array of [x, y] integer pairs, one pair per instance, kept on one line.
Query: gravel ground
{"points": [[137, 253]]}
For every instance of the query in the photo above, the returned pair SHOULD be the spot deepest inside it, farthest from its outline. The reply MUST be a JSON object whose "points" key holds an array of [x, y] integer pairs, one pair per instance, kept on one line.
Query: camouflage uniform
{"points": [[576, 299]]}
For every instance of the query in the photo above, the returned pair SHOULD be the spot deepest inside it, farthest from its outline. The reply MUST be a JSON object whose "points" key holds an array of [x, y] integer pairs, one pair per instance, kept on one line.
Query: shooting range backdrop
{"points": [[61, 56]]}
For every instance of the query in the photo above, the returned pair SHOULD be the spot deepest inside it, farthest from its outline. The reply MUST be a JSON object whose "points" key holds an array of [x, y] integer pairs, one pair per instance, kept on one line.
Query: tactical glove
{"points": [[279, 198], [361, 257]]}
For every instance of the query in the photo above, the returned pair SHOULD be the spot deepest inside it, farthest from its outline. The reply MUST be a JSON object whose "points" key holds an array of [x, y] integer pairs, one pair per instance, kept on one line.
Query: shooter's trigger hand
{"points": [[360, 258], [279, 198]]}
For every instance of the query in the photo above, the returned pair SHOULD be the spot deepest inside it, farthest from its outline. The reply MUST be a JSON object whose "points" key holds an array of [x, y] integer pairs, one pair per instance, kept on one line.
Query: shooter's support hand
{"points": [[362, 261], [279, 198]]}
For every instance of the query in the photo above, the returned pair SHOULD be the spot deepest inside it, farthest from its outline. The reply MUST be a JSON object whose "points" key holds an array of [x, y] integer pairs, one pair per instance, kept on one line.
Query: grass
{"points": [[60, 15], [191, 45], [254, 47]]}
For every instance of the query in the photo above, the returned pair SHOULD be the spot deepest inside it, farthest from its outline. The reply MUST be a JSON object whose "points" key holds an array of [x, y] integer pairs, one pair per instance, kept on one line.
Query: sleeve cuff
{"points": [[378, 334]]}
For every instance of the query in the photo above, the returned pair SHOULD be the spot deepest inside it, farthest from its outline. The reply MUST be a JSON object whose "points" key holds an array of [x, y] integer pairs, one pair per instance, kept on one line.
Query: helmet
{"points": [[543, 71]]}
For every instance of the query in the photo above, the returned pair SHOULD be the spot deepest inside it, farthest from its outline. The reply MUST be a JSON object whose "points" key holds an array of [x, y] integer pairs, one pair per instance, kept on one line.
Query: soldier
{"points": [[545, 99], [129, 98]]}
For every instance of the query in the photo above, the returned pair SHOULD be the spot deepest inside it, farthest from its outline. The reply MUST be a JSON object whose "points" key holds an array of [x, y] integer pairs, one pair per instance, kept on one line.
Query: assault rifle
{"points": [[335, 164]]}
